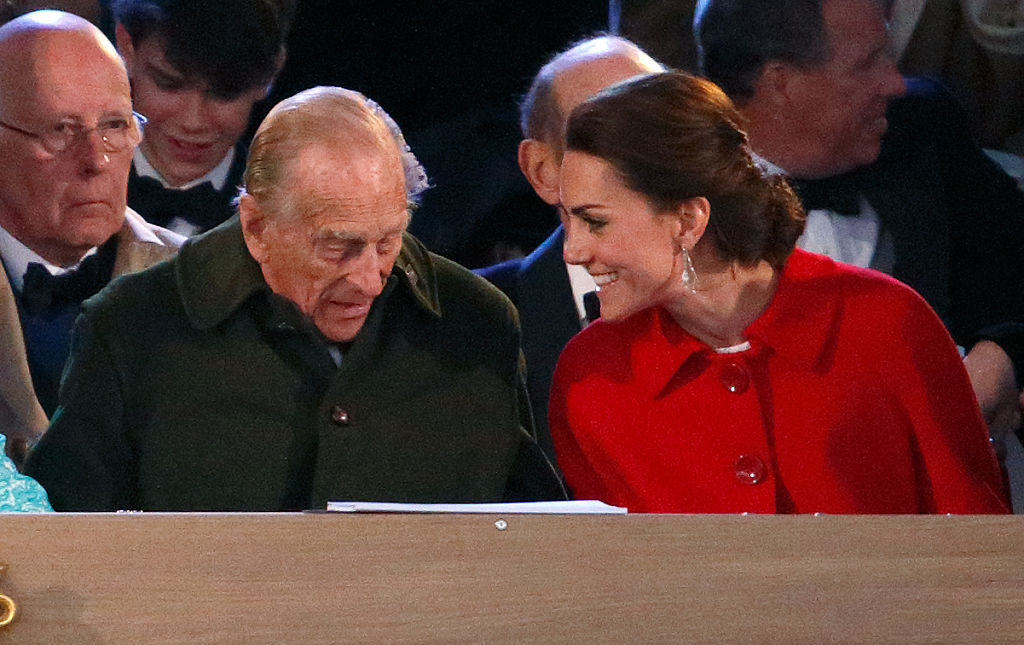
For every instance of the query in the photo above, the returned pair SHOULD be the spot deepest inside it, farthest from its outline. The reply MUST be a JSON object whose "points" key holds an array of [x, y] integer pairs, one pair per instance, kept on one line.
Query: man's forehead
{"points": [[64, 74], [361, 211], [857, 27], [365, 227], [340, 168], [341, 205]]}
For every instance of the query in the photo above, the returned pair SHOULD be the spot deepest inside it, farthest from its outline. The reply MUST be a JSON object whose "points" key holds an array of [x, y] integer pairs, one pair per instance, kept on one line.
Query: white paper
{"points": [[557, 508]]}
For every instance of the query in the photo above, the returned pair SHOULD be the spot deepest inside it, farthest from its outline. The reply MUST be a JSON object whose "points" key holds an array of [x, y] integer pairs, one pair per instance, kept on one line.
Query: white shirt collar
{"points": [[850, 239], [218, 176], [766, 166], [581, 283], [16, 257]]}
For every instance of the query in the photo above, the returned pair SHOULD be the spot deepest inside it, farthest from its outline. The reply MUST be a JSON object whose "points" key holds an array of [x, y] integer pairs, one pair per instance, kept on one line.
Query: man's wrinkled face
{"points": [[190, 128], [332, 252], [843, 101], [61, 205]]}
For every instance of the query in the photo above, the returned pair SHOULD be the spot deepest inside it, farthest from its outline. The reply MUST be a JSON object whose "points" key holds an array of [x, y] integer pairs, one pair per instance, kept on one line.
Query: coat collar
{"points": [[796, 327], [804, 312], [141, 244], [216, 275]]}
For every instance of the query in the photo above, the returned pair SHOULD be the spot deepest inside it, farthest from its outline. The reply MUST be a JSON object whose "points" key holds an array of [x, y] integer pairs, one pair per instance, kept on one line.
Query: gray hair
{"points": [[312, 116]]}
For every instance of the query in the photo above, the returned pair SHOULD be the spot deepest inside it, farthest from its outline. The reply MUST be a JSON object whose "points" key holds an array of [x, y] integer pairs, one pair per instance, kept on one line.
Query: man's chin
{"points": [[340, 331], [73, 247]]}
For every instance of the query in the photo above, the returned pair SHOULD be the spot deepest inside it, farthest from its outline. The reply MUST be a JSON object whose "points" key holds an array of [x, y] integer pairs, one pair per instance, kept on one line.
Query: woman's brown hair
{"points": [[672, 137]]}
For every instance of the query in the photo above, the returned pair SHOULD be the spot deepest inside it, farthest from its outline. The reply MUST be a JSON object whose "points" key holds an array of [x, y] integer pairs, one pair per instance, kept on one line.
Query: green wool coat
{"points": [[192, 387]]}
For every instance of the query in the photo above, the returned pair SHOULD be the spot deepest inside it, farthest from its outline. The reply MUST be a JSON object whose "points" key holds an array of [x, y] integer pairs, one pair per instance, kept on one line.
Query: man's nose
{"points": [[369, 272], [892, 82], [194, 113], [92, 151]]}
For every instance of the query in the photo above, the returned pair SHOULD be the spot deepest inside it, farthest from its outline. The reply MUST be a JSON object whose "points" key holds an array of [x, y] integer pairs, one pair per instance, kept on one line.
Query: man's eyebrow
{"points": [[340, 236]]}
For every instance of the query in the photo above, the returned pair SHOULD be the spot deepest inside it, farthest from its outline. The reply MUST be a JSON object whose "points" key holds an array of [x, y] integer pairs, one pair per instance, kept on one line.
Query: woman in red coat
{"points": [[730, 372]]}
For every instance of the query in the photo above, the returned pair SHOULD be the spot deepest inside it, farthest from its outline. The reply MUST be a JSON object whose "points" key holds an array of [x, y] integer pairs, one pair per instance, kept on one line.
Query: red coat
{"points": [[852, 399]]}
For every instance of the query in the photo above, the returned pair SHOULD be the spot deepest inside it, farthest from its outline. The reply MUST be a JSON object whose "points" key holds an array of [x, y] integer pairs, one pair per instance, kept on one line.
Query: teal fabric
{"points": [[19, 493]]}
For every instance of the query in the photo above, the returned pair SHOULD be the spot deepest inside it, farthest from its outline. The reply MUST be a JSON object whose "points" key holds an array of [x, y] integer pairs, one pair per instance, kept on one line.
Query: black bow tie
{"points": [[43, 292], [201, 205], [839, 194]]}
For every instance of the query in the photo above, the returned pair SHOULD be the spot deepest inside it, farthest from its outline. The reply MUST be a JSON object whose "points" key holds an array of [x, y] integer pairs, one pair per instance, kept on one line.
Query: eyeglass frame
{"points": [[137, 120]]}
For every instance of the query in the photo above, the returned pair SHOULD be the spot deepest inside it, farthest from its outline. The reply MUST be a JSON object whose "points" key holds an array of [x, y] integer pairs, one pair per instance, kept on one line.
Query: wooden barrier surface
{"points": [[282, 579]]}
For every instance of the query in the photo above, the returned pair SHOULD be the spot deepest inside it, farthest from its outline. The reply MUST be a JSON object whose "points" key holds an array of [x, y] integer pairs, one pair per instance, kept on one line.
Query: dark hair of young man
{"points": [[232, 45]]}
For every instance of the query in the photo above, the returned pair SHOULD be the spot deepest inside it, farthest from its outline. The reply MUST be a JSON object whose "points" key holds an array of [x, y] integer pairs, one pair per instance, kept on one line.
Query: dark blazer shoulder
{"points": [[469, 292], [135, 294], [505, 276]]}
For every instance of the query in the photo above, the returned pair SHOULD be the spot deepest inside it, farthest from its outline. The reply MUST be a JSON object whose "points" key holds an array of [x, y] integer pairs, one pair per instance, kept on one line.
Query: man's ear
{"points": [[540, 164], [775, 83], [125, 46], [692, 216], [254, 226]]}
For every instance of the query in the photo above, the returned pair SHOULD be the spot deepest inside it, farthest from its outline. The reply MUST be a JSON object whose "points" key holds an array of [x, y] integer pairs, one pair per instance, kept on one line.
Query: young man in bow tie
{"points": [[909, 192], [197, 68], [67, 132]]}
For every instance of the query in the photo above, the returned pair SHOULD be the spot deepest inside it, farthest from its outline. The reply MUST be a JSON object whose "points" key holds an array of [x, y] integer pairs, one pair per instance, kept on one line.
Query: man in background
{"points": [[886, 168], [197, 68], [66, 138], [549, 293]]}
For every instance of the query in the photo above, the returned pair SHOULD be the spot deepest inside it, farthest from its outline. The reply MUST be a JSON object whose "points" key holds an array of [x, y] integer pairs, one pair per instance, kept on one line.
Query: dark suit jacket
{"points": [[956, 219], [539, 287]]}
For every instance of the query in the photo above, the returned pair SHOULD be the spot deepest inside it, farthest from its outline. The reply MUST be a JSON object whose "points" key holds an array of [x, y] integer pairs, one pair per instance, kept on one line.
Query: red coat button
{"points": [[339, 415], [734, 377], [750, 470]]}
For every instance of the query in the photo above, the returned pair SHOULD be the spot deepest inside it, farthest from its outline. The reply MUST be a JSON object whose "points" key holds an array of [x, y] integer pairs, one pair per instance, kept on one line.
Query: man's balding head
{"points": [[327, 192], [59, 72], [334, 117], [573, 75], [564, 82]]}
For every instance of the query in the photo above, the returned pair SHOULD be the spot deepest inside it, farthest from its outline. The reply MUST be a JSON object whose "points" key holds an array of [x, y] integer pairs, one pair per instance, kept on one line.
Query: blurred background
{"points": [[451, 74]]}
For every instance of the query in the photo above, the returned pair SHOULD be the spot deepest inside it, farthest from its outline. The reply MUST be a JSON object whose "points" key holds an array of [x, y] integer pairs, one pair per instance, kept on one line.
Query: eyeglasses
{"points": [[115, 134]]}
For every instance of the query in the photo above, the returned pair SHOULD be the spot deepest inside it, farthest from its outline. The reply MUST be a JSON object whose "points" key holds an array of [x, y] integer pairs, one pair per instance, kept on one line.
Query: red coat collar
{"points": [[797, 325]]}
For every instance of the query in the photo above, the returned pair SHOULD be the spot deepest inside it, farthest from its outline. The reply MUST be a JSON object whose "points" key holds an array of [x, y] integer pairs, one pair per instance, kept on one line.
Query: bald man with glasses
{"points": [[67, 134]]}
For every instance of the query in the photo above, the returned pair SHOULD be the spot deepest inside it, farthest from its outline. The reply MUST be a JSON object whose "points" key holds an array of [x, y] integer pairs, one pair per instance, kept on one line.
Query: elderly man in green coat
{"points": [[308, 350]]}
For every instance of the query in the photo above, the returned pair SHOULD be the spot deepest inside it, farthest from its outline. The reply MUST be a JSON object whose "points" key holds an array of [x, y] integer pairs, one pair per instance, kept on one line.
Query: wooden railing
{"points": [[222, 579]]}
